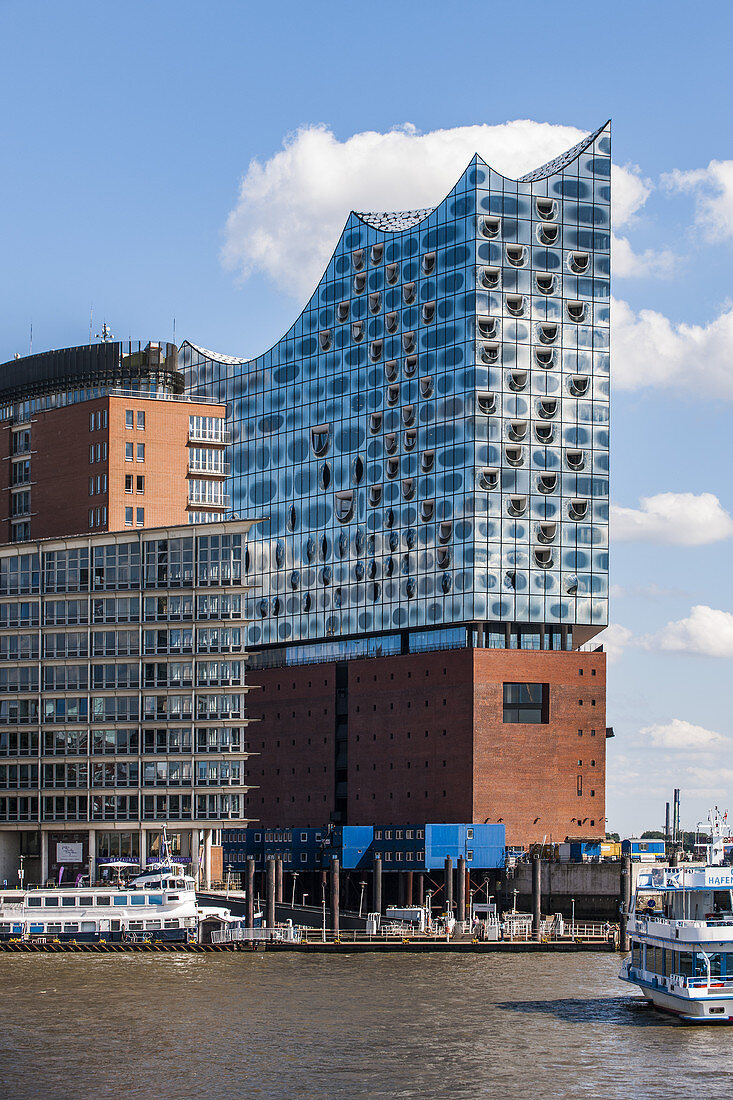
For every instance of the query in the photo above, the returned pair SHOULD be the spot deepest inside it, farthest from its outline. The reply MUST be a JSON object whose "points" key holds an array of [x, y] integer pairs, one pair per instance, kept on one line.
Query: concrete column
{"points": [[194, 855], [271, 893], [448, 884], [250, 888], [141, 842], [461, 889], [207, 857], [92, 844], [625, 905], [420, 900], [279, 880], [44, 857], [408, 887], [335, 886], [377, 885], [536, 897]]}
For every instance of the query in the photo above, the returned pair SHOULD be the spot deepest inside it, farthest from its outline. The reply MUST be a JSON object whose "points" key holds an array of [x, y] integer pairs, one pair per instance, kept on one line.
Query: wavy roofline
{"points": [[217, 357]]}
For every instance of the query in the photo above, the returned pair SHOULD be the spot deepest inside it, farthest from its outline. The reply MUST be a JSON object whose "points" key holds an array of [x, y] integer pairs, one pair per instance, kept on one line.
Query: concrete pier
{"points": [[250, 892], [335, 887]]}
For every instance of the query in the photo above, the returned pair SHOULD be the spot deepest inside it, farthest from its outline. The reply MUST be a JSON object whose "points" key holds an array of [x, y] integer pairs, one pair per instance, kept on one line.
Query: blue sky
{"points": [[151, 151]]}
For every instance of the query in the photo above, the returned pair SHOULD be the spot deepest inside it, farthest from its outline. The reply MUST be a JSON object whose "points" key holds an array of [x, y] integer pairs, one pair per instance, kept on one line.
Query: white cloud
{"points": [[706, 632], [678, 734], [673, 519], [292, 207], [650, 350], [713, 190], [627, 264], [615, 638]]}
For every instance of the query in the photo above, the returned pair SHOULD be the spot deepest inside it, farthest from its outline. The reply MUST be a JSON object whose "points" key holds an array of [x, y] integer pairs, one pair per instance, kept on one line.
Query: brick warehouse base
{"points": [[421, 737]]}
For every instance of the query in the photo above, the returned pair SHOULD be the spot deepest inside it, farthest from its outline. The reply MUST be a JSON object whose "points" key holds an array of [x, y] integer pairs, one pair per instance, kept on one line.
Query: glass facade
{"points": [[430, 438], [108, 712]]}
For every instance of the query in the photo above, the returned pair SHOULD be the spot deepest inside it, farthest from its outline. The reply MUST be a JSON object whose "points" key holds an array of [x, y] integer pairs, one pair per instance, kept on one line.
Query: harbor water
{"points": [[276, 1026]]}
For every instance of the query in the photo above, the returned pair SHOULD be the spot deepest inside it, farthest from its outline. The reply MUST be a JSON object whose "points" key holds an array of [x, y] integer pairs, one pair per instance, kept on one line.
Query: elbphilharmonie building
{"points": [[429, 444]]}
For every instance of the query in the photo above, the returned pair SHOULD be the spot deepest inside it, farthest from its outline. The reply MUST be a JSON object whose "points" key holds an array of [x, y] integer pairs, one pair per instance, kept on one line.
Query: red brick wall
{"points": [[527, 775], [427, 742], [293, 731]]}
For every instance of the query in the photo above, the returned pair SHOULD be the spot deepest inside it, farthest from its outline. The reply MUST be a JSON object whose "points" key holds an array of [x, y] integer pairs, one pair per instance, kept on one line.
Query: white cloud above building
{"points": [[673, 519]]}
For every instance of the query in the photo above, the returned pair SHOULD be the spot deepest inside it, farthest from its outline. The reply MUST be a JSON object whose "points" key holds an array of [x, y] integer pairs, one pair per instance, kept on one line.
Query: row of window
{"points": [[122, 742], [120, 807]]}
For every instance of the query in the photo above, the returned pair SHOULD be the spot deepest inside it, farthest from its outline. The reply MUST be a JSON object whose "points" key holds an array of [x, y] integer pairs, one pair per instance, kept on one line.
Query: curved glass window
{"points": [[428, 312], [390, 442], [575, 460], [517, 430], [548, 234], [515, 304], [547, 332], [408, 415], [408, 488], [489, 477], [490, 352], [445, 530], [547, 483], [543, 558], [359, 283], [516, 254], [357, 331], [490, 277], [427, 510], [320, 438], [443, 556], [487, 327], [357, 470], [375, 302], [392, 272], [544, 357], [343, 310], [410, 438], [427, 461], [344, 505], [426, 387], [324, 339], [393, 395], [408, 341], [547, 407], [375, 350], [357, 259], [575, 310], [375, 423], [489, 227], [376, 253], [392, 467], [408, 293], [578, 262], [544, 432], [486, 401], [546, 208], [428, 263], [545, 283], [578, 384], [546, 532], [410, 365], [391, 322], [517, 506], [514, 456], [517, 379], [391, 370], [578, 509], [324, 476]]}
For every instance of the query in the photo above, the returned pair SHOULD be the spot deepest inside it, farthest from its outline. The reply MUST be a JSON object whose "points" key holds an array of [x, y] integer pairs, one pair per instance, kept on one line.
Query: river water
{"points": [[284, 1027]]}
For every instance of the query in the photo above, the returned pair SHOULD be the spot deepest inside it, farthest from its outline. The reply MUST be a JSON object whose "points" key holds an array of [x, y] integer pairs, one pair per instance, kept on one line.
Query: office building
{"points": [[122, 698]]}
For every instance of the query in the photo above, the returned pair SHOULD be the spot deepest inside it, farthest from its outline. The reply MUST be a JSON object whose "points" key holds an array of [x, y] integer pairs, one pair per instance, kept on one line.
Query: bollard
{"points": [[448, 885], [335, 896], [377, 885], [250, 892], [270, 893], [461, 890], [536, 898]]}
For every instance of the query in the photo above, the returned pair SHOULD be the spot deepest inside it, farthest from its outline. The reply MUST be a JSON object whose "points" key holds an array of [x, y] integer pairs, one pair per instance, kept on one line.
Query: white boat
{"points": [[681, 930], [157, 906]]}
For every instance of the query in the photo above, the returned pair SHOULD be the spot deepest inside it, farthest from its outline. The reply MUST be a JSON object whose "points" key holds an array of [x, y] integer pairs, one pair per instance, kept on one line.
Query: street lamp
{"points": [[361, 896], [295, 879]]}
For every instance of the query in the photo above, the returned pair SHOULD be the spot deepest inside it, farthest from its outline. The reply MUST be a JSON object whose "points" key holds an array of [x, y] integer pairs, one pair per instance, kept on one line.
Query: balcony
{"points": [[223, 502], [204, 435], [222, 470]]}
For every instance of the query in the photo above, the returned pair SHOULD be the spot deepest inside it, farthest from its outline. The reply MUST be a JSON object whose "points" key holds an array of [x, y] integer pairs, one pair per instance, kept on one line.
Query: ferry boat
{"points": [[157, 906], [681, 930]]}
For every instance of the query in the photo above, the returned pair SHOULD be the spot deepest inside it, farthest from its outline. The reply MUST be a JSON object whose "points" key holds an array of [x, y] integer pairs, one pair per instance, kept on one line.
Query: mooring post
{"points": [[250, 892], [377, 885], [461, 891], [279, 880], [536, 898], [448, 885], [270, 893], [625, 903], [335, 896]]}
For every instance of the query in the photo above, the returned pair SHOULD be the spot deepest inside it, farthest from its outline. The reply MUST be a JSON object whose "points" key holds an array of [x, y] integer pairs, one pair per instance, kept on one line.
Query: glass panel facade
{"points": [[430, 438]]}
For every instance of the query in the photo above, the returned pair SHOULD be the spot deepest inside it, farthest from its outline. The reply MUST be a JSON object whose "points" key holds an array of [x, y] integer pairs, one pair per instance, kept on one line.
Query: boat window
{"points": [[120, 899], [155, 899], [88, 926], [171, 924], [104, 900], [136, 926], [34, 903], [173, 897], [85, 900], [68, 901], [71, 926], [137, 899], [52, 926], [50, 901], [151, 925]]}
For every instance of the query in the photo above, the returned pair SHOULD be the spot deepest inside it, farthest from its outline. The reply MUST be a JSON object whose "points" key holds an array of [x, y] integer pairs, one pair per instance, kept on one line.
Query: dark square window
{"points": [[527, 703]]}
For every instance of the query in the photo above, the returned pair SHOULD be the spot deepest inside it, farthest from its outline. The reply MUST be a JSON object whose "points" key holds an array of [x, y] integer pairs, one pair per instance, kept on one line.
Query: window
{"points": [[129, 418], [128, 483], [141, 452], [141, 420], [140, 483], [526, 703], [128, 515], [128, 452], [139, 516]]}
